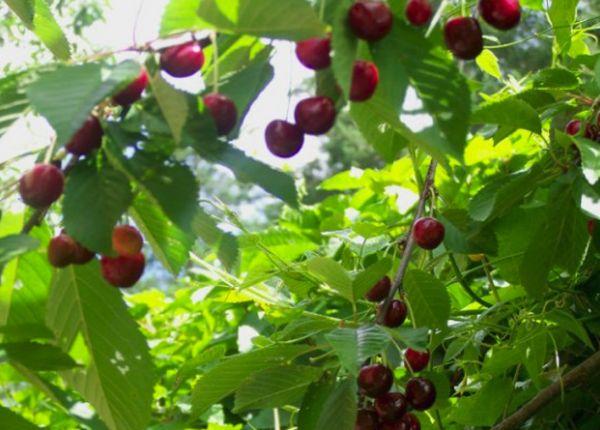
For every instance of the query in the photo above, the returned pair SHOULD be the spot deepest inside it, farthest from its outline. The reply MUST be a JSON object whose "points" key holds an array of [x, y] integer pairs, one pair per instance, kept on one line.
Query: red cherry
{"points": [[395, 315], [284, 139], [420, 393], [366, 420], [501, 14], [42, 185], [127, 240], [463, 37], [573, 127], [591, 131], [123, 271], [380, 290], [133, 92], [416, 360], [428, 232], [390, 406], [87, 139], [591, 226], [370, 20], [223, 111], [182, 60], [314, 53], [418, 12], [315, 115], [375, 380], [61, 251], [410, 422], [365, 77]]}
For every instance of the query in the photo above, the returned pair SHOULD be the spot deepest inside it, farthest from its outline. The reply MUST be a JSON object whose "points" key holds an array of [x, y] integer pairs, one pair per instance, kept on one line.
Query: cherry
{"points": [[390, 406], [410, 422], [463, 37], [314, 53], [61, 251], [573, 127], [223, 111], [395, 315], [591, 226], [370, 20], [182, 60], [418, 12], [416, 360], [365, 77], [284, 139], [127, 240], [133, 92], [87, 139], [457, 376], [420, 393], [501, 14], [366, 420], [375, 380], [123, 271], [380, 290], [428, 232], [42, 185], [82, 254], [315, 115]]}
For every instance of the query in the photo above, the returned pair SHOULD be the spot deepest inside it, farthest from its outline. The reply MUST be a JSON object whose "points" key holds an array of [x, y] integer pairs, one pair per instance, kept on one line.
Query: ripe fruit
{"points": [[61, 251], [127, 240], [591, 226], [396, 313], [365, 77], [41, 186], [501, 14], [428, 232], [123, 271], [223, 111], [463, 37], [133, 92], [284, 139], [87, 138], [315, 115], [375, 380], [410, 422], [314, 53], [416, 360], [420, 393], [370, 20], [573, 127], [380, 290], [418, 12], [390, 406], [182, 60], [82, 254], [366, 420]]}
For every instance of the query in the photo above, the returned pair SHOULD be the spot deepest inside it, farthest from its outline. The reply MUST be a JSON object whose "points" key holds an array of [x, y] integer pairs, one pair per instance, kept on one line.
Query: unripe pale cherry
{"points": [[428, 233], [375, 380], [61, 251], [365, 77], [463, 37], [87, 139], [127, 240], [370, 20], [182, 60], [123, 271], [283, 139], [418, 12], [501, 14], [223, 111], [132, 92], [314, 53], [315, 115], [41, 186]]}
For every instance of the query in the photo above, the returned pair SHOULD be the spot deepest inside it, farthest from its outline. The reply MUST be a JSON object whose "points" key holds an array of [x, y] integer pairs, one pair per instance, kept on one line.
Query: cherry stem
{"points": [[463, 283], [488, 274], [213, 38]]}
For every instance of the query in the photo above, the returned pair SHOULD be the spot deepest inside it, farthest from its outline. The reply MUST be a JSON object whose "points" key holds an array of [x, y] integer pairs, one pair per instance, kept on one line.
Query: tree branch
{"points": [[579, 375]]}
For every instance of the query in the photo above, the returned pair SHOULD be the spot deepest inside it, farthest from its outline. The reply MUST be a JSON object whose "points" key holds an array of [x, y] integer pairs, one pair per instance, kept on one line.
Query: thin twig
{"points": [[463, 283], [488, 274]]}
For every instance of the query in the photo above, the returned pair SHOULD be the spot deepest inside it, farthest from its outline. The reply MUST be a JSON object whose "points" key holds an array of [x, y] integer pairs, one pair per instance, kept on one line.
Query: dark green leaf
{"points": [[354, 346], [590, 159], [14, 245], [511, 112], [180, 15], [485, 406], [38, 356], [13, 100], [345, 45], [555, 78], [313, 404], [333, 274], [12, 421], [428, 299], [340, 408]]}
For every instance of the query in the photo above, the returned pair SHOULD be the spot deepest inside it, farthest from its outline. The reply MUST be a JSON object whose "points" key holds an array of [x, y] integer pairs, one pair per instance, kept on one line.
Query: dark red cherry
{"points": [[365, 77], [82, 254], [501, 14], [573, 127], [123, 271], [127, 240], [370, 20], [418, 12], [87, 139], [375, 380], [366, 420], [315, 115], [420, 393], [61, 251], [395, 315], [416, 360], [284, 139], [390, 406], [314, 53], [41, 186], [428, 233], [182, 60], [223, 111], [380, 290], [591, 226], [133, 92], [410, 422], [463, 37]]}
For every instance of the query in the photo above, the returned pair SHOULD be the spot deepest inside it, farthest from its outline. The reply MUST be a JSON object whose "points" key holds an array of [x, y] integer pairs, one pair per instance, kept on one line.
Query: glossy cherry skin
{"points": [[223, 111], [61, 251], [314, 53], [416, 360], [82, 254], [366, 420], [365, 77], [133, 92], [380, 290], [420, 393], [182, 60], [410, 422], [127, 240], [573, 127], [390, 406], [501, 14], [87, 139], [370, 20], [123, 271], [463, 37], [418, 12], [315, 115], [395, 315], [284, 139], [375, 380], [428, 233], [591, 226], [41, 186]]}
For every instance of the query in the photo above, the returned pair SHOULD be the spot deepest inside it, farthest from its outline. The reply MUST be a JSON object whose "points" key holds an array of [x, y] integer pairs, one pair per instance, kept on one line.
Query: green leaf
{"points": [[173, 104], [14, 245], [180, 15], [534, 353], [190, 367], [428, 299], [488, 63], [38, 356], [13, 100], [365, 280], [225, 244], [95, 198], [13, 421], [555, 78], [510, 112], [562, 15], [597, 72], [340, 408], [354, 346], [344, 44], [313, 404], [119, 378], [333, 274], [466, 236], [66, 107], [567, 321], [590, 158], [485, 406]]}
